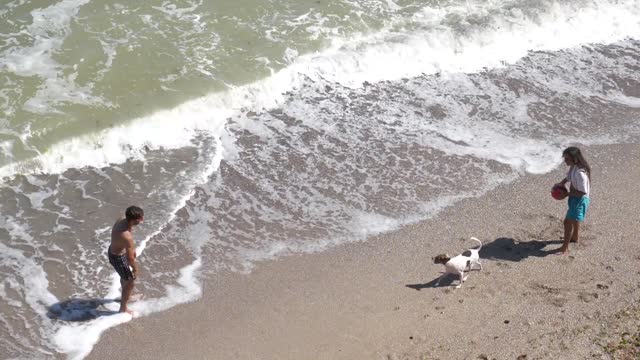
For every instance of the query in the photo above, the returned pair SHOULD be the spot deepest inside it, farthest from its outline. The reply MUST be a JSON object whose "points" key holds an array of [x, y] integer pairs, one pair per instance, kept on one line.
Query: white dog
{"points": [[460, 264]]}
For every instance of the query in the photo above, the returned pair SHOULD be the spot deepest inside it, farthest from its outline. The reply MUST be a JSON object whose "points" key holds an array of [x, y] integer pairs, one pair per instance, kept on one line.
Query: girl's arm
{"points": [[576, 193]]}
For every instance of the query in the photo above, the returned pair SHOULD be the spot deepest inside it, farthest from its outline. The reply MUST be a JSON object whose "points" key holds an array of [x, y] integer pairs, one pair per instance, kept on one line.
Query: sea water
{"points": [[249, 130]]}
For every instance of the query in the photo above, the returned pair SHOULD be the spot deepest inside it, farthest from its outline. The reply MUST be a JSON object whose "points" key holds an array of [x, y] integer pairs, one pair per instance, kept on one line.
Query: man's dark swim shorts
{"points": [[121, 265]]}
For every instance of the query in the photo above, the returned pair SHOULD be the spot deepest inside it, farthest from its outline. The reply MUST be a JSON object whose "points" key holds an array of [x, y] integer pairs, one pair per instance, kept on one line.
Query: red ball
{"points": [[558, 192]]}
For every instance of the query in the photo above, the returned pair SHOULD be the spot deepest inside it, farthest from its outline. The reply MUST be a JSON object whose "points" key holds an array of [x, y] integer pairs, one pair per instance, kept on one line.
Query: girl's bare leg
{"points": [[576, 230], [568, 233]]}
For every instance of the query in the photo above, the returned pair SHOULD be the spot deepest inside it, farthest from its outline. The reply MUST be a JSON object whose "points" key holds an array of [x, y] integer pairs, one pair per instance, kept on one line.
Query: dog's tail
{"points": [[479, 242]]}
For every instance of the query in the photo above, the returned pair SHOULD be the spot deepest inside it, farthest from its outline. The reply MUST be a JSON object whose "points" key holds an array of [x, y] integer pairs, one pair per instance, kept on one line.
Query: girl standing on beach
{"points": [[579, 179]]}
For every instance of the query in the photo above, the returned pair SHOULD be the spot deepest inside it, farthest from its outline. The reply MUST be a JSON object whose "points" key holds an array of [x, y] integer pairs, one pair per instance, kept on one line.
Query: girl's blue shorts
{"points": [[577, 208]]}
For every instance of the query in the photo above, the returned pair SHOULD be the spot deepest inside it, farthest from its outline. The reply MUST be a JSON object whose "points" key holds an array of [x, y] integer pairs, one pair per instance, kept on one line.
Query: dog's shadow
{"points": [[77, 310], [440, 281], [501, 249]]}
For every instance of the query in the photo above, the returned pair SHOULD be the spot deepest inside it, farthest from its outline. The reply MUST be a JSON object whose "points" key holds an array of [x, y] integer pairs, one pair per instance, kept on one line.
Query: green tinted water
{"points": [[75, 67]]}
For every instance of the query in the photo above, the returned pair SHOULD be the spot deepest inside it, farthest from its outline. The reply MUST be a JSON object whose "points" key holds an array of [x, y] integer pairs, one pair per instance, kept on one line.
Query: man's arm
{"points": [[131, 253]]}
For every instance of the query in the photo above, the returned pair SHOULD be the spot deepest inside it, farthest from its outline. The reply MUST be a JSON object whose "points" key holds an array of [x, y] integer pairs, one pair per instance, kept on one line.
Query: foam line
{"points": [[78, 340], [433, 46]]}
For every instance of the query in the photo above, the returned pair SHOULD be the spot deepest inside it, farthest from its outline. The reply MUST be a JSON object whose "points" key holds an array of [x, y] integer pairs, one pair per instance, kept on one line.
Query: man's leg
{"points": [[127, 288]]}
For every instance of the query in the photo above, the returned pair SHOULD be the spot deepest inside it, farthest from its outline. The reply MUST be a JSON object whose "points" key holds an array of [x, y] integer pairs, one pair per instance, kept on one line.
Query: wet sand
{"points": [[377, 299]]}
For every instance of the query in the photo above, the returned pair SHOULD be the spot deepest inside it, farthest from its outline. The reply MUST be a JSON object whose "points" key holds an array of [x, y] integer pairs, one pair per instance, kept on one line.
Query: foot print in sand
{"points": [[587, 297], [554, 296], [485, 357], [559, 301], [609, 268], [602, 286], [546, 288], [564, 257], [604, 289]]}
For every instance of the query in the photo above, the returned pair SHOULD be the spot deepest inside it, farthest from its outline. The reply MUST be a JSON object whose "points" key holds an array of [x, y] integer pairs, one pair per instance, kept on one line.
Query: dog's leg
{"points": [[477, 262], [462, 279]]}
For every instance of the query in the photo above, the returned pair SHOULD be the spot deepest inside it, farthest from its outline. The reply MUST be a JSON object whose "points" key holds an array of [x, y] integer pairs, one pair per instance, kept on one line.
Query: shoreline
{"points": [[376, 300]]}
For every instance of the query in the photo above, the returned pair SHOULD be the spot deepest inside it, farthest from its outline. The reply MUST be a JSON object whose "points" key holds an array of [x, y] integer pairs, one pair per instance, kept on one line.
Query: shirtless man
{"points": [[122, 252]]}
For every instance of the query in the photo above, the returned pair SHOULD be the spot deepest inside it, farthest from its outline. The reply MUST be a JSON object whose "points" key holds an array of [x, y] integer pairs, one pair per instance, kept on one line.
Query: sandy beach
{"points": [[377, 299]]}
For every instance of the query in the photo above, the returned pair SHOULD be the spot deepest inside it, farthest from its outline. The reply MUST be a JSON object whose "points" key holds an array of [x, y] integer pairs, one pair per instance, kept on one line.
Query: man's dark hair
{"points": [[134, 213]]}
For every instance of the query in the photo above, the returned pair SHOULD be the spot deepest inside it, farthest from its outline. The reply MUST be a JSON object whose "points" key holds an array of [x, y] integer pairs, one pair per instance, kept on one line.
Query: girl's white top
{"points": [[579, 179]]}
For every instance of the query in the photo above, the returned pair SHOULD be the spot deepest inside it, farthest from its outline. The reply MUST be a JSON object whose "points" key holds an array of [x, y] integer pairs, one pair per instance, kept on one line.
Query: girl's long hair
{"points": [[578, 159]]}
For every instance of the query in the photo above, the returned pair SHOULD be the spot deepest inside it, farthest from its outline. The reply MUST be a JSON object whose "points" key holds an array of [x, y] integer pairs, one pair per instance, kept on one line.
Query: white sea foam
{"points": [[36, 283], [629, 101], [6, 150], [436, 45], [78, 340], [534, 156], [48, 31], [37, 198], [386, 55], [362, 226], [169, 129], [33, 285]]}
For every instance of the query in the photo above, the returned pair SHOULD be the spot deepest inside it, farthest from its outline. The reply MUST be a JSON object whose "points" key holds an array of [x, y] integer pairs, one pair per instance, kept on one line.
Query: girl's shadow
{"points": [[504, 249], [80, 309], [508, 249]]}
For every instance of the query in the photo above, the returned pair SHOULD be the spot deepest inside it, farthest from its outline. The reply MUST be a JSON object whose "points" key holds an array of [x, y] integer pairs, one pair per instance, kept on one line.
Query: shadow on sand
{"points": [[501, 249], [508, 249], [80, 309], [446, 280]]}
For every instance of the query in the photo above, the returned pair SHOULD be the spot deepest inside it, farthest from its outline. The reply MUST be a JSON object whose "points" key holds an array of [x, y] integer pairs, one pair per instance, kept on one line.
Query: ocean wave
{"points": [[451, 39]]}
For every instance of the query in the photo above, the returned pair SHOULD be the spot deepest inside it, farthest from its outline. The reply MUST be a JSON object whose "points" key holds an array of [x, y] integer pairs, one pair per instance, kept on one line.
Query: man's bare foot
{"points": [[562, 251], [128, 311]]}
